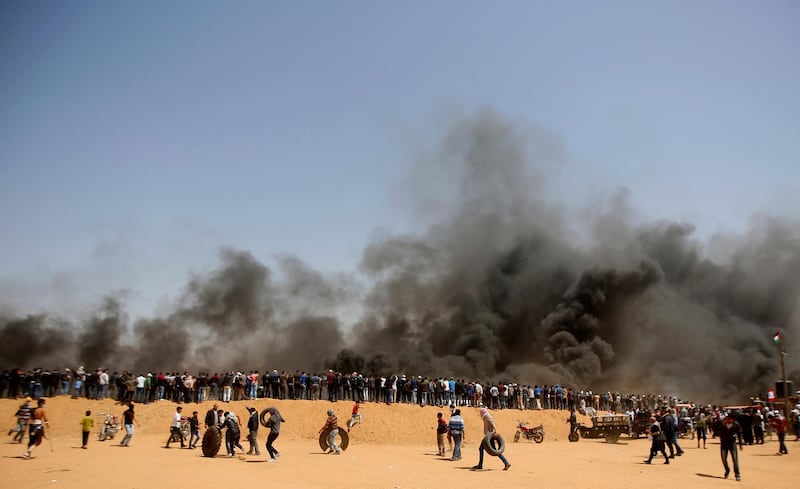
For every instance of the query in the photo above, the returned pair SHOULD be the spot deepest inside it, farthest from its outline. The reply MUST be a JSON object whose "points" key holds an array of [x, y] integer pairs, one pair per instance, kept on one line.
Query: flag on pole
{"points": [[777, 338]]}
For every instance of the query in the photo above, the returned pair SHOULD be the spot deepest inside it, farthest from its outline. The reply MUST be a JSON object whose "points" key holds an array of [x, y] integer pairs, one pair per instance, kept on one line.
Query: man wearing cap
{"points": [[332, 424], [730, 431], [252, 435]]}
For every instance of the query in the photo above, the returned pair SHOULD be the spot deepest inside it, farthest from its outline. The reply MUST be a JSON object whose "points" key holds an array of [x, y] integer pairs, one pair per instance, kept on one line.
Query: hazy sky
{"points": [[137, 138]]}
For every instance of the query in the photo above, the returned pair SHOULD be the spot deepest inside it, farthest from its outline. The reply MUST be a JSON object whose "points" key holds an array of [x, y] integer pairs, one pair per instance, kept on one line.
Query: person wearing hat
{"points": [[729, 432], [332, 424], [252, 435]]}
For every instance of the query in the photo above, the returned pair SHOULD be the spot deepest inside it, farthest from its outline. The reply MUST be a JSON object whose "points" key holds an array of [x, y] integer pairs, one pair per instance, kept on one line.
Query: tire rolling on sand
{"points": [[212, 440], [344, 440], [489, 442]]}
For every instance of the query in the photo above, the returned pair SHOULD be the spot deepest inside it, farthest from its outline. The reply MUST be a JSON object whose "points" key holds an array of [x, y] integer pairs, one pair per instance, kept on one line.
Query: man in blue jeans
{"points": [[489, 427]]}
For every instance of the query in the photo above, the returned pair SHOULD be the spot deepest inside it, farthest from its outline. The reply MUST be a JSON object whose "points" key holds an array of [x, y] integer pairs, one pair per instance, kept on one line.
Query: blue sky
{"points": [[136, 138]]}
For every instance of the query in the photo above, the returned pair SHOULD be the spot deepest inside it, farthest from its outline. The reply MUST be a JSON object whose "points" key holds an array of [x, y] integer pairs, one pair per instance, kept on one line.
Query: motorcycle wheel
{"points": [[516, 437], [538, 437], [573, 437], [103, 434]]}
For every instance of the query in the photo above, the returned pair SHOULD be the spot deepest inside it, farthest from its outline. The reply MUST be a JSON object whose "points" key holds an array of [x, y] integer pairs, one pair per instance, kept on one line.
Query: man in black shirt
{"points": [[730, 431]]}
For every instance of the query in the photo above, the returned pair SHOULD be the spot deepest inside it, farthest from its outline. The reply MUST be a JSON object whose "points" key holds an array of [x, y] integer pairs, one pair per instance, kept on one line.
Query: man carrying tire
{"points": [[490, 430], [332, 424]]}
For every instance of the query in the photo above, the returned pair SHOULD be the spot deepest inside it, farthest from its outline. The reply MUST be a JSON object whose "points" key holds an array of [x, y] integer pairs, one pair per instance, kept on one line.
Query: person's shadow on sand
{"points": [[709, 476]]}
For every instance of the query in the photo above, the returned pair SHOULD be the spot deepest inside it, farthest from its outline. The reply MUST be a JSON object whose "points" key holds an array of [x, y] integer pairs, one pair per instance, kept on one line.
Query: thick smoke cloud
{"points": [[503, 284]]}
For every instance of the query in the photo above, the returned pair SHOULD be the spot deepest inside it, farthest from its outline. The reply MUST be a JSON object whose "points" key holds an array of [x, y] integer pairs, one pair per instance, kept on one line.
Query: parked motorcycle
{"points": [[110, 427], [535, 433]]}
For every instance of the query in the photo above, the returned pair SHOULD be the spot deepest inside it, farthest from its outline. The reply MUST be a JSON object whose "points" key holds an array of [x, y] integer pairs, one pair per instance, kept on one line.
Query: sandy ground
{"points": [[394, 448]]}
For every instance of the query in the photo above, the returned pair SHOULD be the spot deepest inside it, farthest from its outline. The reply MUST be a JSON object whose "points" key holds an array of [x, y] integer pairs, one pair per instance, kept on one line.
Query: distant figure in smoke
{"points": [[700, 429]]}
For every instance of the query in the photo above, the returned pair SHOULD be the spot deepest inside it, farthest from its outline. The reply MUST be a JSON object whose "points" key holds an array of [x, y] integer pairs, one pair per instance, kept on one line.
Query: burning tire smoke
{"points": [[499, 286]]}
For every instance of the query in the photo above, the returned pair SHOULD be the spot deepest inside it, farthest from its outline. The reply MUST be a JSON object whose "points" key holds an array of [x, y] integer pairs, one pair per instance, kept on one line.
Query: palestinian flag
{"points": [[777, 338]]}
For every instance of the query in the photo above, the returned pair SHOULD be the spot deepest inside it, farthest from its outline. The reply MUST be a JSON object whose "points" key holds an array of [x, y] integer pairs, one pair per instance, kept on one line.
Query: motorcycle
{"points": [[110, 427], [535, 433]]}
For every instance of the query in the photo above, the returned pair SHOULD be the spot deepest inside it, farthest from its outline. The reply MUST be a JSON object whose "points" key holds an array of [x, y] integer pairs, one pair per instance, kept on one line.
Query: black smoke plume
{"points": [[503, 284]]}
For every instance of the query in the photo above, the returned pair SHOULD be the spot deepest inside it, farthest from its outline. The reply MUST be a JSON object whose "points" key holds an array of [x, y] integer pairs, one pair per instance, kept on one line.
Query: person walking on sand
{"points": [[332, 424], [489, 427], [86, 427], [355, 416], [274, 425], [232, 433], [657, 441], [23, 415], [252, 434], [175, 428], [456, 428], [729, 432], [194, 429], [36, 427], [441, 432], [128, 418]]}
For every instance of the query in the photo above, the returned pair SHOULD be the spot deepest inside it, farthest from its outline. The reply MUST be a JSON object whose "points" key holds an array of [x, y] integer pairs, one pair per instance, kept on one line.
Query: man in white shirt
{"points": [[175, 428]]}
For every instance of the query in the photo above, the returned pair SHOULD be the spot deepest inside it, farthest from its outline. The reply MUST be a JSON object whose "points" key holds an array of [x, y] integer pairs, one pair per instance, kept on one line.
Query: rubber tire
{"points": [[489, 448], [635, 435], [212, 440], [264, 416], [612, 438], [516, 437], [103, 434], [573, 437], [343, 443], [538, 437]]}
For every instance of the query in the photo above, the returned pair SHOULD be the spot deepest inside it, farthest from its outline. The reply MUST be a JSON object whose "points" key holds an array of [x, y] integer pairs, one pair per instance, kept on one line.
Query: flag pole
{"points": [[782, 353]]}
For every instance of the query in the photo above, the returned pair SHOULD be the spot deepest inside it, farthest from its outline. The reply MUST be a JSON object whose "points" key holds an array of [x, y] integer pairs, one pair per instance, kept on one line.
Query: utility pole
{"points": [[778, 339]]}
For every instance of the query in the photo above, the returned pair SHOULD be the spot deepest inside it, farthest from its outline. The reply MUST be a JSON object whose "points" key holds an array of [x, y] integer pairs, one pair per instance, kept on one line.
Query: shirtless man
{"points": [[36, 427]]}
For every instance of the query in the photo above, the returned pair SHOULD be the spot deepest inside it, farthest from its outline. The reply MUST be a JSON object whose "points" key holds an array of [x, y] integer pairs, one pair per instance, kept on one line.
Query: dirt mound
{"points": [[383, 424]]}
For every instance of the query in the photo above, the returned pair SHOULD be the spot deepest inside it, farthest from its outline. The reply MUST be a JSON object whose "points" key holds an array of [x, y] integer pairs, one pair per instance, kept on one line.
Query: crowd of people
{"points": [[667, 416], [146, 387]]}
